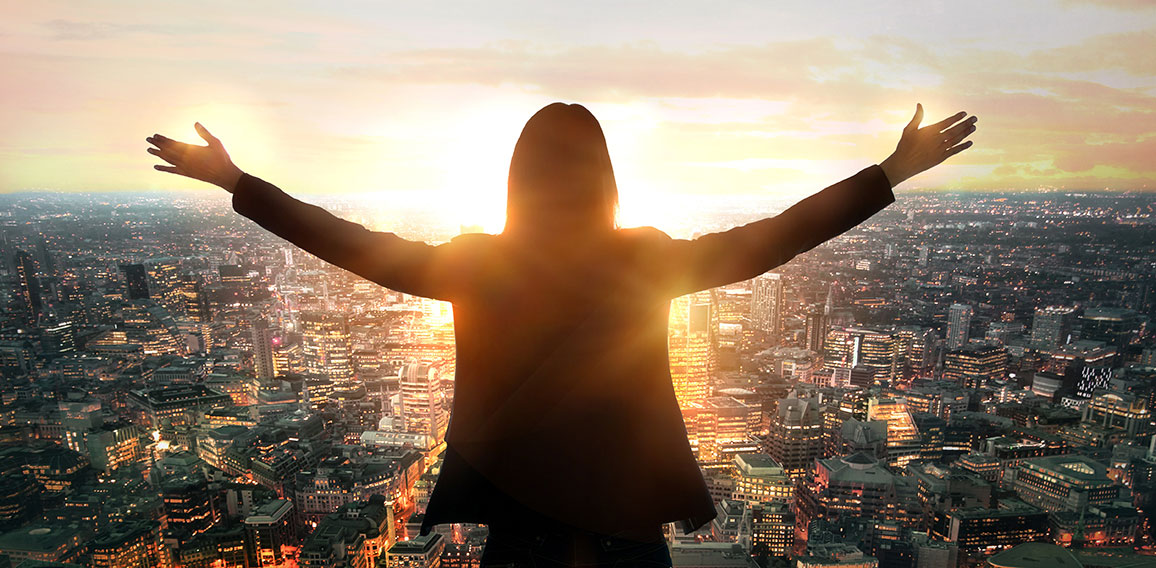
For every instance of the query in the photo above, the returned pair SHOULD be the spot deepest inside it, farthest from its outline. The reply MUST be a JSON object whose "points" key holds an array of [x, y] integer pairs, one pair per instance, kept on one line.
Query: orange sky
{"points": [[424, 100]]}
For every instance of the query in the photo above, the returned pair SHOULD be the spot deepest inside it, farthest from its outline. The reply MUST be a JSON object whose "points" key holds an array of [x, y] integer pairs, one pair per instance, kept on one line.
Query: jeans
{"points": [[550, 545]]}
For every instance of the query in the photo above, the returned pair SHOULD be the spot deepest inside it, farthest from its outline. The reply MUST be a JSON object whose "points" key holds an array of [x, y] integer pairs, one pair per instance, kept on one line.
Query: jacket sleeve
{"points": [[744, 252], [385, 258]]}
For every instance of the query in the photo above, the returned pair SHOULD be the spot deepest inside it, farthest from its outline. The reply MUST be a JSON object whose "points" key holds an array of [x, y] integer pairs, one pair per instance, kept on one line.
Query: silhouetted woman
{"points": [[565, 437]]}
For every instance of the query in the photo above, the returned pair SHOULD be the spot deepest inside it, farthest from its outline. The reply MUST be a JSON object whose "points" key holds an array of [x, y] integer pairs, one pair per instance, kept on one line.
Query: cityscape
{"points": [[966, 379]]}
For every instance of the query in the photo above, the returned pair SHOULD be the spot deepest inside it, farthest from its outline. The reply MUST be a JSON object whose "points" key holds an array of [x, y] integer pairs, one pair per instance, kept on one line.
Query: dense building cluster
{"points": [[959, 376]]}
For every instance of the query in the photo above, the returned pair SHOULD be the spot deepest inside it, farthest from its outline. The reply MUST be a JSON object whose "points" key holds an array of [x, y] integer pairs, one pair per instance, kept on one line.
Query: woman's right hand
{"points": [[209, 163], [921, 149]]}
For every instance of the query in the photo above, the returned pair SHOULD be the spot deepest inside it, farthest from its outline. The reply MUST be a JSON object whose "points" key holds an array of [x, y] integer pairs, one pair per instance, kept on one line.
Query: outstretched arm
{"points": [[745, 252], [408, 266]]}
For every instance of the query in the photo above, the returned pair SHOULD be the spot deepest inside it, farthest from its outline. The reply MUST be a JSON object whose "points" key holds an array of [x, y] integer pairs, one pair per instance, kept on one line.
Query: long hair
{"points": [[561, 180]]}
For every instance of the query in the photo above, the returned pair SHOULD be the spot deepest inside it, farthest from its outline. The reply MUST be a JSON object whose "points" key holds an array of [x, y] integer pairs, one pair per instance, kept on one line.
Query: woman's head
{"points": [[561, 179]]}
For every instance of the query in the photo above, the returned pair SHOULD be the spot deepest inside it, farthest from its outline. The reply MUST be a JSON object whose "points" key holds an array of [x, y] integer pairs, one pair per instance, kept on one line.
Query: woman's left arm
{"points": [[744, 252]]}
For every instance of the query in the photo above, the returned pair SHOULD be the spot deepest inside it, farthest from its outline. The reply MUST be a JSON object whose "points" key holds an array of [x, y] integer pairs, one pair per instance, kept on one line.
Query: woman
{"points": [[565, 437]]}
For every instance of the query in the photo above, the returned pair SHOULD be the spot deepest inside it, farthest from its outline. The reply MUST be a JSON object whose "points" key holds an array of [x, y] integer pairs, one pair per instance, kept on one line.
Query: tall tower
{"points": [[325, 346], [422, 408], [816, 330], [690, 342], [136, 281], [767, 304], [958, 323], [263, 363], [1052, 327], [29, 284]]}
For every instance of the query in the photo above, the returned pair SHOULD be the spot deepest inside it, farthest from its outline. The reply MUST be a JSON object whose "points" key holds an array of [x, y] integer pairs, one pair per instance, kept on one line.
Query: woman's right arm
{"points": [[396, 263]]}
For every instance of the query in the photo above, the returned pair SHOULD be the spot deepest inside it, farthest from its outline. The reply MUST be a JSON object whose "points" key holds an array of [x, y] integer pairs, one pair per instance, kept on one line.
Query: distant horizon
{"points": [[789, 97]]}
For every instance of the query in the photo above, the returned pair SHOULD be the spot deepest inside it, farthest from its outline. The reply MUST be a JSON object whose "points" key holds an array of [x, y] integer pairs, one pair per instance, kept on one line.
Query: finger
{"points": [[212, 140], [915, 120], [957, 149], [939, 126], [960, 128], [958, 132], [170, 169], [166, 156], [168, 145]]}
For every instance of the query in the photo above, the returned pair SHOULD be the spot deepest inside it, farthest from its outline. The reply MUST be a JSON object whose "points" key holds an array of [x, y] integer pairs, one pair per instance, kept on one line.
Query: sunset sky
{"points": [[422, 100]]}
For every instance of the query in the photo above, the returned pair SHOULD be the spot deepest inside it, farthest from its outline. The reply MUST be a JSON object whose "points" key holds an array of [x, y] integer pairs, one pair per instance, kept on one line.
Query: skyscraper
{"points": [[690, 342], [1052, 327], [422, 408], [263, 363], [29, 284], [325, 345], [958, 323], [136, 281], [816, 330], [877, 349], [767, 304]]}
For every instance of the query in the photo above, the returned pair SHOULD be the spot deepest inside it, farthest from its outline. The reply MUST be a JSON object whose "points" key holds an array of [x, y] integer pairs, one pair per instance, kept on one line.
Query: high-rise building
{"points": [[691, 346], [760, 479], [136, 281], [129, 545], [1069, 482], [877, 349], [1052, 327], [422, 400], [903, 441], [767, 304], [29, 285], [972, 366], [816, 330], [263, 361], [1114, 326], [958, 325], [268, 532], [325, 345], [795, 435]]}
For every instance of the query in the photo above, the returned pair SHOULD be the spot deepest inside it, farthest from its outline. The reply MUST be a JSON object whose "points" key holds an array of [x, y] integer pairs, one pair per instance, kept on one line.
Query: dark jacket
{"points": [[563, 395]]}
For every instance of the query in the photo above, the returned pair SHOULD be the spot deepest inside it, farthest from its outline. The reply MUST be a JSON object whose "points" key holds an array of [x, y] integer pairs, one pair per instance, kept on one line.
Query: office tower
{"points": [[816, 330], [767, 304], [856, 486], [958, 324], [760, 479], [877, 349], [188, 505], [795, 435], [194, 305], [972, 366], [325, 346], [976, 530], [1052, 327], [422, 400], [129, 545], [418, 552], [165, 281], [136, 281], [1114, 326], [268, 532], [1069, 482], [691, 346], [263, 362], [1125, 411], [58, 337], [924, 254], [916, 350], [29, 285], [720, 426], [903, 441]]}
